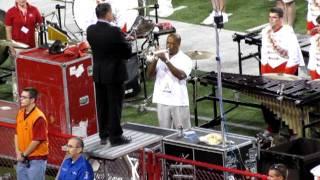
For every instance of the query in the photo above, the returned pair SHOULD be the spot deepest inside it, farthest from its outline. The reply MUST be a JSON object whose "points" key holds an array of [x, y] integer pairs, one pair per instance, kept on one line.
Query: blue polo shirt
{"points": [[80, 169]]}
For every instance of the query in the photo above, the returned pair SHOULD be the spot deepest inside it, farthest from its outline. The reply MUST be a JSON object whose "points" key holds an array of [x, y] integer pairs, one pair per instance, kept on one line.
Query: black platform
{"points": [[300, 156]]}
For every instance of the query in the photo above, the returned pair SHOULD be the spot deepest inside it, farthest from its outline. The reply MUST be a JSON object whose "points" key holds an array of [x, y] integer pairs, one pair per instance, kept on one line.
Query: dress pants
{"points": [[109, 99]]}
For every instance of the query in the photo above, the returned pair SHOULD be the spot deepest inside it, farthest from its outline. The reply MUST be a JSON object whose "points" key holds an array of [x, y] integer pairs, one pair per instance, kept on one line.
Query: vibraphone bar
{"points": [[254, 38], [300, 92], [290, 100]]}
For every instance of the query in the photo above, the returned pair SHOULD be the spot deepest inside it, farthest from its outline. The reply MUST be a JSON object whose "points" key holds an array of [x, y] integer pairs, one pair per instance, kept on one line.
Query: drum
{"points": [[142, 26], [132, 85], [125, 12], [83, 12]]}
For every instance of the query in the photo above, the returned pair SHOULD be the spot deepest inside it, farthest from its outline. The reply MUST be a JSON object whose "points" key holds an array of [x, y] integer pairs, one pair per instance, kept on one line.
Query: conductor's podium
{"points": [[123, 162]]}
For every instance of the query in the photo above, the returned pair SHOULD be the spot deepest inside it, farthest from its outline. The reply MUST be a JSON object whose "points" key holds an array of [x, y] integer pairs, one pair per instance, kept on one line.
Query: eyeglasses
{"points": [[24, 97], [70, 146]]}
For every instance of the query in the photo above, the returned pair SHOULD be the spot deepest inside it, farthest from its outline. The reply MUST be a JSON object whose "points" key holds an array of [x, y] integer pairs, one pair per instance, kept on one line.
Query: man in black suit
{"points": [[110, 50]]}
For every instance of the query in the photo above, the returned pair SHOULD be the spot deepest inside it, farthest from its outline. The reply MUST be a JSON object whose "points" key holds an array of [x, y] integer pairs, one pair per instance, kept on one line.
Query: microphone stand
{"points": [[218, 24], [58, 8], [43, 43], [156, 7], [280, 99]]}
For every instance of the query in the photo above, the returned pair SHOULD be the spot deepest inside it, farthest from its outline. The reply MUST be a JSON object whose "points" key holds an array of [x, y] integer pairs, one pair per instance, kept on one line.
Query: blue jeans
{"points": [[36, 171]]}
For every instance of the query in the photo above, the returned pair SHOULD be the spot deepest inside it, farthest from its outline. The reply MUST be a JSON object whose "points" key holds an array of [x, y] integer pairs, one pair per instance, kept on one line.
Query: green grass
{"points": [[245, 13], [195, 12], [2, 31], [241, 115], [6, 92], [5, 171]]}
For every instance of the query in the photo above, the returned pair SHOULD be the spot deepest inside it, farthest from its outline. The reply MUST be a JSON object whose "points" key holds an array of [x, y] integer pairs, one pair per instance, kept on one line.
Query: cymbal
{"points": [[199, 55], [281, 76], [13, 43]]}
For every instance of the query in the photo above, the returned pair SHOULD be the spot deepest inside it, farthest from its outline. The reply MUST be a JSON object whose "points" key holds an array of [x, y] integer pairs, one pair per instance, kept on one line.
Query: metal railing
{"points": [[8, 156]]}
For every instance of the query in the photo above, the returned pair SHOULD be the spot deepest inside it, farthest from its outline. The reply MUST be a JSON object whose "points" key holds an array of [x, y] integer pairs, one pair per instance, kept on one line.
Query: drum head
{"points": [[84, 13], [143, 27]]}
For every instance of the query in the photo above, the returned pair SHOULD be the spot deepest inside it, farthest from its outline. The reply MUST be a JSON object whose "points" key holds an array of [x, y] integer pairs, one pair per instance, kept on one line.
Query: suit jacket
{"points": [[110, 52]]}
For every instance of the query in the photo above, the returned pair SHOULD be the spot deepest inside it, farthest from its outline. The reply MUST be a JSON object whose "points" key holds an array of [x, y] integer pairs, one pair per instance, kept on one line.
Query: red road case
{"points": [[66, 89]]}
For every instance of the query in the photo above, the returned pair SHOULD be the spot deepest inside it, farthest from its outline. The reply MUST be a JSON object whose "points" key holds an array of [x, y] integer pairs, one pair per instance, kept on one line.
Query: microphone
{"points": [[281, 87], [280, 92], [218, 20], [58, 6]]}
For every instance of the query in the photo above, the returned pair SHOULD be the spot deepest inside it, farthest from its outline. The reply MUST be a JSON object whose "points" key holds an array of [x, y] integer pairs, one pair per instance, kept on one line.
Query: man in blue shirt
{"points": [[75, 167]]}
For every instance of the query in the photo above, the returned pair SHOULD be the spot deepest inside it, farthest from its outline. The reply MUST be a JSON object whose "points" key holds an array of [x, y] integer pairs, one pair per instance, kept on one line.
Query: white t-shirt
{"points": [[314, 54], [284, 38], [315, 172], [169, 90], [313, 11]]}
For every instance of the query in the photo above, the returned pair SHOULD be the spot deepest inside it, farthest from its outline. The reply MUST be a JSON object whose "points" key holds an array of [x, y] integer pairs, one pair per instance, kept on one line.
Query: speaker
{"points": [[132, 85], [299, 155]]}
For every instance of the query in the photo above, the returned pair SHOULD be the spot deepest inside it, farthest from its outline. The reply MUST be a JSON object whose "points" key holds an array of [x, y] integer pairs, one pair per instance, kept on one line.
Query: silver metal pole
{"points": [[218, 59]]}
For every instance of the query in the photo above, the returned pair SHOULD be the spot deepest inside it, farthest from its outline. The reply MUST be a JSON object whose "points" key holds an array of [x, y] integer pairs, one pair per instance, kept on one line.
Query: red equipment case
{"points": [[66, 89]]}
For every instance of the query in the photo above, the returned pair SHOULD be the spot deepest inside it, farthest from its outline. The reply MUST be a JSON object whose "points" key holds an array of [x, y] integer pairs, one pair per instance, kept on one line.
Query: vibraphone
{"points": [[290, 100], [254, 38]]}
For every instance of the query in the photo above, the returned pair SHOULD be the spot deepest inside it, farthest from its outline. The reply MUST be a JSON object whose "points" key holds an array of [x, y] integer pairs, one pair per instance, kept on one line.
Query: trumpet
{"points": [[159, 51], [151, 55]]}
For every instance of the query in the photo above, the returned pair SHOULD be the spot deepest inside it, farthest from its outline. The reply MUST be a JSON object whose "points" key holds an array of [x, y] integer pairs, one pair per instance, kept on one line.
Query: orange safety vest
{"points": [[24, 132]]}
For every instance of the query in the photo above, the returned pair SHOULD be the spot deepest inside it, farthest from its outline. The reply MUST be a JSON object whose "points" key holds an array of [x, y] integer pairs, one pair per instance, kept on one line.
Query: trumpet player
{"points": [[171, 69]]}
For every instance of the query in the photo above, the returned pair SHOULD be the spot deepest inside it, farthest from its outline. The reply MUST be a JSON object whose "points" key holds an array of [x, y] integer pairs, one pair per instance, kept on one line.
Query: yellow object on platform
{"points": [[55, 34]]}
